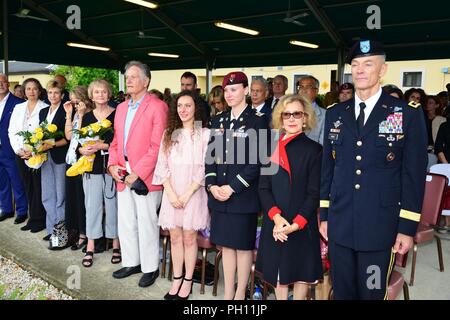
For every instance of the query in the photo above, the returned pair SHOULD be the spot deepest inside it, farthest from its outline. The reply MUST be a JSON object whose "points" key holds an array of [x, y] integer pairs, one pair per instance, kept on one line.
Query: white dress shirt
{"points": [[232, 117], [370, 104], [51, 115], [21, 121], [258, 108]]}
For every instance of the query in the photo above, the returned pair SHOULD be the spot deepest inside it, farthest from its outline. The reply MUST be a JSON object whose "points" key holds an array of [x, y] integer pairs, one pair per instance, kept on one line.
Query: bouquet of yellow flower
{"points": [[34, 141], [89, 135]]}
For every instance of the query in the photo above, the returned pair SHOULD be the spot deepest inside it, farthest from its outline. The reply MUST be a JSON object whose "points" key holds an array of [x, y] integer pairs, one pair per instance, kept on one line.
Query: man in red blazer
{"points": [[138, 128]]}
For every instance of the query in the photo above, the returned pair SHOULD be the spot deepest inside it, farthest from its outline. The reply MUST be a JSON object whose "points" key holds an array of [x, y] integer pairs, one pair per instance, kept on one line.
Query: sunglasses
{"points": [[296, 114]]}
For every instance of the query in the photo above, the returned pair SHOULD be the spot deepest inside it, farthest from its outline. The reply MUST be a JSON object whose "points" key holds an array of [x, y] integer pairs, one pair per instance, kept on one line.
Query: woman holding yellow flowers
{"points": [[53, 171], [99, 187], [25, 117], [76, 108]]}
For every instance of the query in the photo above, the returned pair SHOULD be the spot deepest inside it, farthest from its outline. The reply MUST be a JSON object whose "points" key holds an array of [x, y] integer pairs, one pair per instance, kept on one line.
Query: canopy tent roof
{"points": [[409, 29]]}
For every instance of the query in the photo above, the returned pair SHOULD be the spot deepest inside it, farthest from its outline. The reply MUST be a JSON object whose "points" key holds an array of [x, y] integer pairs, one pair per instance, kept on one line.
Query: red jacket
{"points": [[143, 140]]}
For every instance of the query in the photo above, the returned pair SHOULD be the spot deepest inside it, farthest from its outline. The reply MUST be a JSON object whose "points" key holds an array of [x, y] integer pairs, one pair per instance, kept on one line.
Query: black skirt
{"points": [[297, 259], [233, 230], [75, 210]]}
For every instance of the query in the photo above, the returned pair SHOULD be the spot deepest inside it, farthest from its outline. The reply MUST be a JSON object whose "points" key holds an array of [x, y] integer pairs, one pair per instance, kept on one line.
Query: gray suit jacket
{"points": [[316, 134]]}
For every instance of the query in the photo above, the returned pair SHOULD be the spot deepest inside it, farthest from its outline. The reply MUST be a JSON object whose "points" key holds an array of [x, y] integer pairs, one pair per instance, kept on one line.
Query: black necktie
{"points": [[360, 120], [276, 101], [234, 122]]}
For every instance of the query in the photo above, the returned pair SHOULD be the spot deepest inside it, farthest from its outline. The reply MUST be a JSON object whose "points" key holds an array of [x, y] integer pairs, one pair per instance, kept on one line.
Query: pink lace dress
{"points": [[183, 164]]}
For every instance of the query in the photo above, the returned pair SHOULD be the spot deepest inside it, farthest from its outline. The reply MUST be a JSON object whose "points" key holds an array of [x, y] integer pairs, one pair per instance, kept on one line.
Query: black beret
{"points": [[365, 48]]}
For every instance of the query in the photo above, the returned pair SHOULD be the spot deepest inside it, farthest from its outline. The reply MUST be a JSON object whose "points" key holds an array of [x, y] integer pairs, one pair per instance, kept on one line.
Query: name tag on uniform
{"points": [[333, 136], [240, 134]]}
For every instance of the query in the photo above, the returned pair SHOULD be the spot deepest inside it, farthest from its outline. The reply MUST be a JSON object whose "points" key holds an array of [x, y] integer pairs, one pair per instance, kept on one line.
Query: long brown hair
{"points": [[174, 122]]}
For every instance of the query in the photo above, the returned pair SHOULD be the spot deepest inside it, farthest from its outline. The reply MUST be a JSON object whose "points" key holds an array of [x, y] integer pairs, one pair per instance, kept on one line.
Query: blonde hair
{"points": [[309, 121], [217, 91], [52, 84], [81, 93], [99, 83]]}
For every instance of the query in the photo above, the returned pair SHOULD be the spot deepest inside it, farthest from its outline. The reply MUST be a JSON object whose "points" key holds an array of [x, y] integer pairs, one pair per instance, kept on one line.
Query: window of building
{"points": [[412, 79], [348, 78], [257, 77]]}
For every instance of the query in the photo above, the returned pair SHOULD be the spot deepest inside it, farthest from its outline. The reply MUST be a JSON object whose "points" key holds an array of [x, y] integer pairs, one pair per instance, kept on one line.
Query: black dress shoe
{"points": [[6, 215], [36, 230], [126, 272], [20, 219], [25, 228], [148, 278], [47, 237]]}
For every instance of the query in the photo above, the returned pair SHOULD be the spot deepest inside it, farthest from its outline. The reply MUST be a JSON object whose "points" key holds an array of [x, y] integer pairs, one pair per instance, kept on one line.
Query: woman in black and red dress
{"points": [[289, 249]]}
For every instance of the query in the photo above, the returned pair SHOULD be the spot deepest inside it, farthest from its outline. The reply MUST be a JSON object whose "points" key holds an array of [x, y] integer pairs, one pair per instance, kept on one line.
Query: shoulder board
{"points": [[331, 105], [413, 104], [259, 114]]}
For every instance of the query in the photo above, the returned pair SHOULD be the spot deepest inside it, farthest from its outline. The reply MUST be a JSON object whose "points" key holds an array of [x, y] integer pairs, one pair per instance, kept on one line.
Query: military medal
{"points": [[390, 156]]}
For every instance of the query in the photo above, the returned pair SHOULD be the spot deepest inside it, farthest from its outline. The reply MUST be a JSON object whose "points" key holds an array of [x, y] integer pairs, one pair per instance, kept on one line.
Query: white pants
{"points": [[138, 229]]}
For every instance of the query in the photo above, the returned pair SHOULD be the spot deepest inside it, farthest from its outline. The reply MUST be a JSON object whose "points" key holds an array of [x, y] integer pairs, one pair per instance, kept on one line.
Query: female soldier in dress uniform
{"points": [[232, 172]]}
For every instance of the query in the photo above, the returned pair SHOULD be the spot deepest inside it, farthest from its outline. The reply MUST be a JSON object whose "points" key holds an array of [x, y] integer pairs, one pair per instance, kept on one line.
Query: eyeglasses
{"points": [[305, 87], [296, 114]]}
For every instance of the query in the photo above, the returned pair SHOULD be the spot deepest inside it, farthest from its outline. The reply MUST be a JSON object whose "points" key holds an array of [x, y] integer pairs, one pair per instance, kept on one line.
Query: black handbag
{"points": [[60, 237], [139, 187]]}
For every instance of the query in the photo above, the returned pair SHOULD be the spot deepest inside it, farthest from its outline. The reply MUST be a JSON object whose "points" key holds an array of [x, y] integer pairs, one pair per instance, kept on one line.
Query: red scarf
{"points": [[280, 156]]}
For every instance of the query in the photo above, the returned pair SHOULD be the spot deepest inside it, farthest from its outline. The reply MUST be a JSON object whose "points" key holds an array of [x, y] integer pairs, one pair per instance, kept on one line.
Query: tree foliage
{"points": [[84, 76]]}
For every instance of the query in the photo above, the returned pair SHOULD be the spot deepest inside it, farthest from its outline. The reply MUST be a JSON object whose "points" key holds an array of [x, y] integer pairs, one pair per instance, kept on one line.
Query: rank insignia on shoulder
{"points": [[331, 105], [413, 104]]}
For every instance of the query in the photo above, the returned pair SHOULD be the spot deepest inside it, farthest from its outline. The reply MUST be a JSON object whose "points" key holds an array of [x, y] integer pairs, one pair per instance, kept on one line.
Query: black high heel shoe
{"points": [[187, 297], [169, 296]]}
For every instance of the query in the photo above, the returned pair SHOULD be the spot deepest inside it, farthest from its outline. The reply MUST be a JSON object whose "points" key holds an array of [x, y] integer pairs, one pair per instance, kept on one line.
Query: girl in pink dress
{"points": [[181, 170]]}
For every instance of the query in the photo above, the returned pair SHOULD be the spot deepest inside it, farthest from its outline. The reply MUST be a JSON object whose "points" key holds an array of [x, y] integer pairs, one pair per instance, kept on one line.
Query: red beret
{"points": [[235, 78]]}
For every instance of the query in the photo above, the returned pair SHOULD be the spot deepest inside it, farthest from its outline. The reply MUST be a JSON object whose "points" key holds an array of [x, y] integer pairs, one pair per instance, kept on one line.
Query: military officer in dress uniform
{"points": [[232, 172], [373, 178]]}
